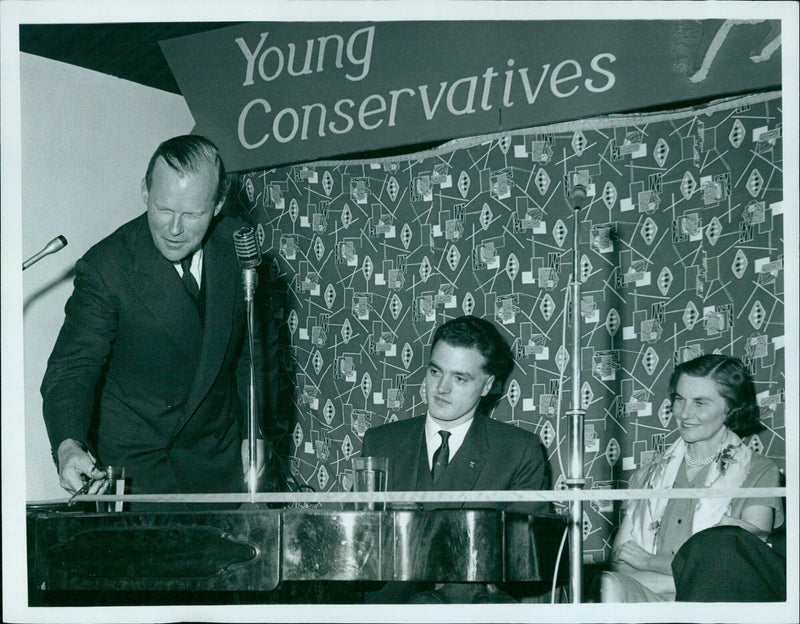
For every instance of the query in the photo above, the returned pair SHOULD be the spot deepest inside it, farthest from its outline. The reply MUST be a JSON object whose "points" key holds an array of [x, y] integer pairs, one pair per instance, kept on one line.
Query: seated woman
{"points": [[713, 401]]}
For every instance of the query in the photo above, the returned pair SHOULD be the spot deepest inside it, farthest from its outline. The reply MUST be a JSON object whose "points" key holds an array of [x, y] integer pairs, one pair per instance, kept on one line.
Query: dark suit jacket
{"points": [[135, 369], [493, 456]]}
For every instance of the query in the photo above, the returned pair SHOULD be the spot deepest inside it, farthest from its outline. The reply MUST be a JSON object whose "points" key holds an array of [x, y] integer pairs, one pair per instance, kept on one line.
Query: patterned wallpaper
{"points": [[680, 253]]}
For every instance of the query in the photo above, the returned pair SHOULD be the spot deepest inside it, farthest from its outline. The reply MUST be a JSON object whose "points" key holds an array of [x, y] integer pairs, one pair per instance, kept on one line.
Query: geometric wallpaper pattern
{"points": [[680, 253]]}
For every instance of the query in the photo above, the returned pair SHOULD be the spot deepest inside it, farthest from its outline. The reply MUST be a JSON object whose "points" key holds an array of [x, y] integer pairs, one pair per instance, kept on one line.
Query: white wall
{"points": [[86, 141]]}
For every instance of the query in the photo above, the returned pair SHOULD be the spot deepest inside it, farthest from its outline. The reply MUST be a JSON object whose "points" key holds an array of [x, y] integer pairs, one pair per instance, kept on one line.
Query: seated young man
{"points": [[456, 445]]}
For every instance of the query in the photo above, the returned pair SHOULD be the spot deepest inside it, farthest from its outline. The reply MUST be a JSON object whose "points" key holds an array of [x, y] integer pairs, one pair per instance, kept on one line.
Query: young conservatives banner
{"points": [[273, 93]]}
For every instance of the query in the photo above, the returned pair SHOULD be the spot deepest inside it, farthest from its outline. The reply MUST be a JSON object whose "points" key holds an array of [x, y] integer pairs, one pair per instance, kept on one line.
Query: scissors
{"points": [[85, 487]]}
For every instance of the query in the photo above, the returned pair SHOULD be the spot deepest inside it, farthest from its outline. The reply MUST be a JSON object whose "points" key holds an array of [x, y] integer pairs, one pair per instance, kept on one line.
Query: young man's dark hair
{"points": [[472, 332]]}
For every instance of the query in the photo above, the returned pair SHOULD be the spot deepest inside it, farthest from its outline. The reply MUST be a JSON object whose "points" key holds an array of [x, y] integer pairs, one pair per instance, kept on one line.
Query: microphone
{"points": [[57, 244], [577, 196], [249, 255]]}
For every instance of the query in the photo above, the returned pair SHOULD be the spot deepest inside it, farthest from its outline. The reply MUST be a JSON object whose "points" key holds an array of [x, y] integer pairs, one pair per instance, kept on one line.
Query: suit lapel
{"points": [[220, 275], [156, 280], [405, 465]]}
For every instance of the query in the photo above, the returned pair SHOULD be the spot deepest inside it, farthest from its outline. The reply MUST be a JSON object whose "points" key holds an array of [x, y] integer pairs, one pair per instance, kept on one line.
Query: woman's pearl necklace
{"points": [[698, 462]]}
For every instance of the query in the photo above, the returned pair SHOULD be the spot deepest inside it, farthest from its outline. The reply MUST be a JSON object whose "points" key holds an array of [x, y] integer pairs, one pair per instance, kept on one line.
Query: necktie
{"points": [[188, 278], [441, 457]]}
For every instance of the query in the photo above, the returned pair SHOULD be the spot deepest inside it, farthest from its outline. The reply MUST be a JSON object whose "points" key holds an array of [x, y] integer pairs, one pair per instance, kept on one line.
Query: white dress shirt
{"points": [[434, 440], [196, 267]]}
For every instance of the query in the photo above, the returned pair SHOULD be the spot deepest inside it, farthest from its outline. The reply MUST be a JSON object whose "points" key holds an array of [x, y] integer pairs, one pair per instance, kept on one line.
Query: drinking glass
{"points": [[370, 474], [115, 475]]}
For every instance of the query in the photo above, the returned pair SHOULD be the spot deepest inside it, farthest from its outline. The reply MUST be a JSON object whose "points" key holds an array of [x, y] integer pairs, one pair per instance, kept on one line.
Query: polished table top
{"points": [[258, 548]]}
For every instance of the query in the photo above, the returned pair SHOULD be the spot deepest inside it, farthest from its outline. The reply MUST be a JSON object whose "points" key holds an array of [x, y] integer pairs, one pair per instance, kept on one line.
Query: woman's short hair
{"points": [[187, 153], [734, 384]]}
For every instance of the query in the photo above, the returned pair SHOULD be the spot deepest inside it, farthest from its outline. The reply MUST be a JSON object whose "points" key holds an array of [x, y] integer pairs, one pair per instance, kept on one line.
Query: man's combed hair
{"points": [[188, 153], [476, 333], [734, 384]]}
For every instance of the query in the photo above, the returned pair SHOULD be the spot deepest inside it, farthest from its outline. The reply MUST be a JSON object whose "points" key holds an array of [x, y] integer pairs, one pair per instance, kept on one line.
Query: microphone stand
{"points": [[250, 278], [575, 475]]}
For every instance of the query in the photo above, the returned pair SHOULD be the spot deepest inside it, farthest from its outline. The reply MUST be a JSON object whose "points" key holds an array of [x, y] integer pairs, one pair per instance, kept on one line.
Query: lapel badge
{"points": [[472, 464]]}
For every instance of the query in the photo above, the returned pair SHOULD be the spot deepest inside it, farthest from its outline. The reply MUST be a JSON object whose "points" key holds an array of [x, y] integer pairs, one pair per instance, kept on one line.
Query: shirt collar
{"points": [[433, 439], [196, 267]]}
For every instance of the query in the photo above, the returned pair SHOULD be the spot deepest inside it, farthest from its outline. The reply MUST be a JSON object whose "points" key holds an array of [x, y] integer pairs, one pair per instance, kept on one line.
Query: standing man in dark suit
{"points": [[151, 368], [456, 446]]}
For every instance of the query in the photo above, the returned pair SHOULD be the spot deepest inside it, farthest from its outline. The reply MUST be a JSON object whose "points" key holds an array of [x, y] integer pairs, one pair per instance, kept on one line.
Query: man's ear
{"points": [[145, 194], [218, 207], [487, 386]]}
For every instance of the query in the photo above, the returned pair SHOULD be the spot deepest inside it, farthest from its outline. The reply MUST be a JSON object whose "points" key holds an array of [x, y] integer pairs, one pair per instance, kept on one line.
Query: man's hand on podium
{"points": [[77, 468]]}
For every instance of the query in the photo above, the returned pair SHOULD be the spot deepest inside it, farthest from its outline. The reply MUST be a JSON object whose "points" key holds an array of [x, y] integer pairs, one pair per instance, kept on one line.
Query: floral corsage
{"points": [[726, 457]]}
